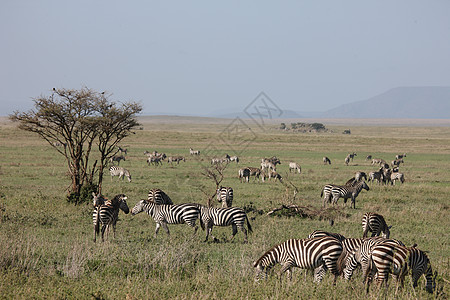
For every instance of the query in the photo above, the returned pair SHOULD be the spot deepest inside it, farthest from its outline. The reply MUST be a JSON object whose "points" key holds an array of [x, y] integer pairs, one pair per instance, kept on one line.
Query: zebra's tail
{"points": [[340, 263], [248, 224], [97, 224], [202, 225], [321, 193]]}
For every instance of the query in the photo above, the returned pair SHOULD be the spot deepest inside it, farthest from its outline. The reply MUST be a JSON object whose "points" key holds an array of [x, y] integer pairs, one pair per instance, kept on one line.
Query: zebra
{"points": [[98, 200], [368, 157], [225, 195], [244, 175], [215, 161], [122, 150], [158, 197], [119, 171], [255, 172], [399, 156], [376, 224], [275, 175], [296, 167], [273, 160], [326, 190], [176, 159], [234, 216], [347, 160], [346, 192], [397, 162], [154, 160], [268, 166], [304, 253], [194, 152], [399, 260], [361, 256], [360, 175], [352, 155], [106, 214], [114, 158], [376, 175], [169, 214], [397, 176], [326, 160], [234, 158]]}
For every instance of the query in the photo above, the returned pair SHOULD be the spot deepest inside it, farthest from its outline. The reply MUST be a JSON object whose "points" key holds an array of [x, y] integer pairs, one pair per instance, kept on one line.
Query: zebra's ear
{"points": [[389, 227]]}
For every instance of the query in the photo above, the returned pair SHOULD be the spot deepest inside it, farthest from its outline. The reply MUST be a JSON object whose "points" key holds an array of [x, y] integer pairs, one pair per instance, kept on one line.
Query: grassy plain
{"points": [[47, 248]]}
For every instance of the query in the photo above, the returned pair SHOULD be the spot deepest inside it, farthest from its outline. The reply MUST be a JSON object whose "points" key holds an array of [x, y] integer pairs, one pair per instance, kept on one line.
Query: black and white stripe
{"points": [[234, 158], [234, 216], [376, 224], [399, 156], [326, 190], [322, 233], [106, 214], [345, 191], [119, 171], [326, 160], [319, 253], [169, 214], [158, 196], [225, 195]]}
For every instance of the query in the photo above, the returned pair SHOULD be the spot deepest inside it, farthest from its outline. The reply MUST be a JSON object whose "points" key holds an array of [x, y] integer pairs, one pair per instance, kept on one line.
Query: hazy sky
{"points": [[196, 57]]}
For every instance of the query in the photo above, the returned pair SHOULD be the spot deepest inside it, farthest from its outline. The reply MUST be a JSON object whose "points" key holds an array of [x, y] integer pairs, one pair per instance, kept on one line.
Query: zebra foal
{"points": [[234, 216], [306, 254], [169, 214]]}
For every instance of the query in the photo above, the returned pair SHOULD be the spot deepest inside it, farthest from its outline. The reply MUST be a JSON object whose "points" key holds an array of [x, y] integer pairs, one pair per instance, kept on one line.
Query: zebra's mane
{"points": [[117, 198]]}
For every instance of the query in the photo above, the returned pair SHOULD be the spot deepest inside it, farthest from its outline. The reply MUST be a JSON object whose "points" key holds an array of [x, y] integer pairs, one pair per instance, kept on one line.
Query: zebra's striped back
{"points": [[234, 216], [306, 254], [321, 233], [225, 195], [376, 224], [157, 196], [169, 214]]}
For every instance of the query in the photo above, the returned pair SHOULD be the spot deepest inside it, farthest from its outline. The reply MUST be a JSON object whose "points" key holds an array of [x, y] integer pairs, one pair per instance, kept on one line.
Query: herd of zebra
{"points": [[378, 256]]}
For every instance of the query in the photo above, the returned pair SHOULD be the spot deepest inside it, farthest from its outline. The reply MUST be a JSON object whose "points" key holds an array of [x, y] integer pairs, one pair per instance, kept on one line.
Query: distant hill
{"points": [[401, 102]]}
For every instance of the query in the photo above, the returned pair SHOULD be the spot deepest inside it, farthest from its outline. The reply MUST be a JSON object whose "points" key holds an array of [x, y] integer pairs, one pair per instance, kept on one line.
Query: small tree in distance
{"points": [[76, 119]]}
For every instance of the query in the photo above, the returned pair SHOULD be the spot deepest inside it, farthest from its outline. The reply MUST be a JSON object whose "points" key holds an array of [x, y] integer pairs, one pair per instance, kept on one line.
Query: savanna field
{"points": [[47, 249]]}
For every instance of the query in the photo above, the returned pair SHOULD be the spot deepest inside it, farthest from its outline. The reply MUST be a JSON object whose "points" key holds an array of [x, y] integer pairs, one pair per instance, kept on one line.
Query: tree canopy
{"points": [[79, 120]]}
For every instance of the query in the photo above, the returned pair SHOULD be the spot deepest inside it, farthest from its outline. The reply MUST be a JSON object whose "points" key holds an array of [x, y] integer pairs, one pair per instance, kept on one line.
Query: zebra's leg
{"points": [[166, 228], [103, 232], [244, 231], [286, 267], [234, 231], [157, 228]]}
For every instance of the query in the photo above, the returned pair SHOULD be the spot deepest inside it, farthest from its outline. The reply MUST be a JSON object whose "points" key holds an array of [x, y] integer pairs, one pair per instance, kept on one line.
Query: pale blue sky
{"points": [[195, 57]]}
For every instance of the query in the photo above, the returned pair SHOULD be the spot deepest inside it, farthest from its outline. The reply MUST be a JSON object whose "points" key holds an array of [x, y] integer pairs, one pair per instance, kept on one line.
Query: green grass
{"points": [[47, 249]]}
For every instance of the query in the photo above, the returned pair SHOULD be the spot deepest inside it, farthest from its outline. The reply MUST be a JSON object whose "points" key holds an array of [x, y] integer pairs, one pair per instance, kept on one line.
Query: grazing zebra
{"points": [[360, 175], [361, 256], [158, 197], [119, 171], [397, 176], [234, 216], [306, 254], [169, 214], [346, 191], [194, 152], [244, 174], [369, 157], [326, 160], [321, 233], [376, 175], [275, 175], [347, 160], [397, 162], [216, 161], [116, 158], [176, 159], [376, 224], [154, 160], [399, 156], [399, 260], [122, 150], [225, 195], [352, 155], [255, 172], [295, 166], [234, 158], [106, 214]]}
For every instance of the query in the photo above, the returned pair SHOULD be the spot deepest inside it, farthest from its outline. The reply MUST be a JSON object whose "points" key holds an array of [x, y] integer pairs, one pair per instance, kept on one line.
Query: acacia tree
{"points": [[75, 119]]}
